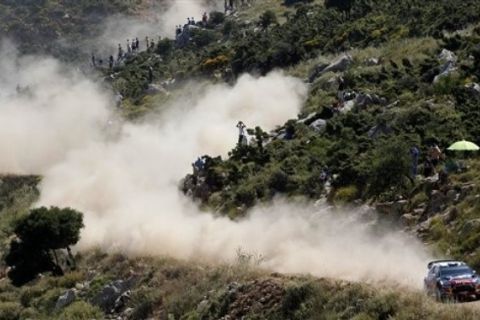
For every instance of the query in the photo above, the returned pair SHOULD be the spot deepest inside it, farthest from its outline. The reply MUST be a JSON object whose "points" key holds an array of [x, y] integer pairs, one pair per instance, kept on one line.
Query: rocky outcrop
{"points": [[110, 298], [318, 125], [339, 65], [372, 61], [393, 209], [258, 297], [473, 88], [449, 60], [438, 202], [65, 299]]}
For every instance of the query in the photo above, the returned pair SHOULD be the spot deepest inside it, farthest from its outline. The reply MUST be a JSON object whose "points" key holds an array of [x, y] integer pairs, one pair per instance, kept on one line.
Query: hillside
{"points": [[242, 236], [114, 286]]}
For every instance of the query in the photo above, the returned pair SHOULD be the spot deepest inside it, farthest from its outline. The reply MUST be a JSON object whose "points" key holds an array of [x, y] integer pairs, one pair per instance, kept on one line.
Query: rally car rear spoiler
{"points": [[431, 263]]}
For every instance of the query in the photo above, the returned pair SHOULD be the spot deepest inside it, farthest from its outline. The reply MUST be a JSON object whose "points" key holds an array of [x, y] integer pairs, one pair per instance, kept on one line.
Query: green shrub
{"points": [[389, 166], [419, 198], [28, 294], [268, 18], [245, 195], [295, 296], [216, 17], [346, 194], [47, 301], [437, 229], [278, 181], [143, 302], [230, 27], [10, 310], [81, 310], [447, 84], [165, 47], [29, 313], [383, 307], [97, 284], [70, 279]]}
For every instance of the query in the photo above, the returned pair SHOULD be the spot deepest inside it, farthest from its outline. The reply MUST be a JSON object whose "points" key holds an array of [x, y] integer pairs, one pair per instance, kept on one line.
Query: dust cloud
{"points": [[58, 124]]}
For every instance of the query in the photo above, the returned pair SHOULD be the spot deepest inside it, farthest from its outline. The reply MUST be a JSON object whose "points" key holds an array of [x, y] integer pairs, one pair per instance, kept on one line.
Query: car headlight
{"points": [[445, 284]]}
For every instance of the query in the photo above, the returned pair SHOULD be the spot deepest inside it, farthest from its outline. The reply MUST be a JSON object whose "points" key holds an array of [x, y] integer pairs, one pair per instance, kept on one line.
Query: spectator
{"points": [[241, 132]]}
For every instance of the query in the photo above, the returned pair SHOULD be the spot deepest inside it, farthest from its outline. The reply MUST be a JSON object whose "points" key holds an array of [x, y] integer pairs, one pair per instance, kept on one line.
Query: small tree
{"points": [[165, 47], [389, 166], [216, 17], [39, 234], [268, 18]]}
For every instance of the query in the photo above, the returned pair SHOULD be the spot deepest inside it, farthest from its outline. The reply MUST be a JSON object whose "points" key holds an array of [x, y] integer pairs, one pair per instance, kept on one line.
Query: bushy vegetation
{"points": [[312, 29], [166, 288], [367, 148], [57, 27], [38, 235]]}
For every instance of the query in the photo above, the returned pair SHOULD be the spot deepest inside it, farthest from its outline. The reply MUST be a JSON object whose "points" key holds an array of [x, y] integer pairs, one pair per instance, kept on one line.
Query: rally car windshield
{"points": [[453, 272]]}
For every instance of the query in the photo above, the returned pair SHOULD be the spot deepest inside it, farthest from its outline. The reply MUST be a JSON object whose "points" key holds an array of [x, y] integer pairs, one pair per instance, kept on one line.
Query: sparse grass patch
{"points": [[81, 310], [10, 310]]}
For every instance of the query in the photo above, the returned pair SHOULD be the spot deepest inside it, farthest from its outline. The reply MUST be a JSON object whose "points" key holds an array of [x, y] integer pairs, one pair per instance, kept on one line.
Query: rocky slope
{"points": [[113, 286], [390, 76]]}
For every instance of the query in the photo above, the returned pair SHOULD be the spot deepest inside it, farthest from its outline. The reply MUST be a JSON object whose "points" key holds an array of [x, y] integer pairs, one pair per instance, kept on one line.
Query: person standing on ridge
{"points": [[241, 132], [129, 47], [110, 62], [120, 52]]}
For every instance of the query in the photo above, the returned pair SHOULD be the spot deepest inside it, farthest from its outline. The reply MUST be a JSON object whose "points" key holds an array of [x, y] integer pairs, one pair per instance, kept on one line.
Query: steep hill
{"points": [[382, 77]]}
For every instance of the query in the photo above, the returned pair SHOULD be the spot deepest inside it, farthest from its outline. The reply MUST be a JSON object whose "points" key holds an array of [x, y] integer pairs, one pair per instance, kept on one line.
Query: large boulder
{"points": [[318, 125], [446, 70], [447, 56], [449, 60], [121, 301], [473, 88], [339, 65], [308, 119], [347, 106]]}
